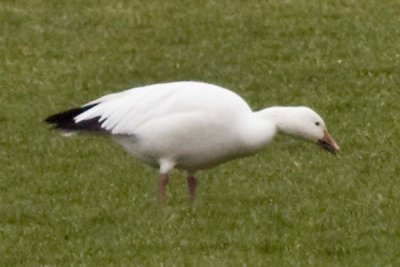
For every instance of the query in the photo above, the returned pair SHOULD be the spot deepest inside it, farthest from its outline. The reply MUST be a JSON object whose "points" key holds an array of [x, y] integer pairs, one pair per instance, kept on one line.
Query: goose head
{"points": [[302, 122]]}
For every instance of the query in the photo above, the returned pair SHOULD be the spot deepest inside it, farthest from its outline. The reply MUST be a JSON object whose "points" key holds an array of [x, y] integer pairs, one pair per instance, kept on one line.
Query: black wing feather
{"points": [[65, 120]]}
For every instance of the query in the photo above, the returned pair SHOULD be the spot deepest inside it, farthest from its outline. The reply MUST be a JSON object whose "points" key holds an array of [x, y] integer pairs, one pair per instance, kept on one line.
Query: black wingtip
{"points": [[65, 120]]}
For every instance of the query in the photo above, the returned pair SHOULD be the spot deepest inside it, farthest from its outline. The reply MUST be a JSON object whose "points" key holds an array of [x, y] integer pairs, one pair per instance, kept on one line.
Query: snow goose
{"points": [[190, 126]]}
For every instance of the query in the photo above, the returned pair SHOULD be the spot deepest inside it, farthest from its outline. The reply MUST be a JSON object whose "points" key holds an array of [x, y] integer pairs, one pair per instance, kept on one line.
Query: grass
{"points": [[83, 201]]}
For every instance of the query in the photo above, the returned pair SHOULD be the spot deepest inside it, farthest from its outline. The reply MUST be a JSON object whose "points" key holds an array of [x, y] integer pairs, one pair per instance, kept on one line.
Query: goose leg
{"points": [[192, 184], [162, 186]]}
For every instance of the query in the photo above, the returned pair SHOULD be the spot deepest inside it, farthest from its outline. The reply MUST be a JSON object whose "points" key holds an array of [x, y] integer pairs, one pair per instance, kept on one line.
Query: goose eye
{"points": [[317, 123]]}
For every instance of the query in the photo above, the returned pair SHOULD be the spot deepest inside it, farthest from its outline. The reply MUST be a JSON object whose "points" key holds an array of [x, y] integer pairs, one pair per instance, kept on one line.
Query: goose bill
{"points": [[328, 143]]}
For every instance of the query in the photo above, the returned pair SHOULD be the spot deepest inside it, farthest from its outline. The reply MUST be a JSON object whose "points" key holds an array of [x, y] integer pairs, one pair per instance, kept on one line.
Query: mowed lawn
{"points": [[83, 201]]}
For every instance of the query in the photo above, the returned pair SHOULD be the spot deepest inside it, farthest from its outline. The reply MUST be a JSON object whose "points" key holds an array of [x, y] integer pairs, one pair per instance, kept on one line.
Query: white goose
{"points": [[190, 126]]}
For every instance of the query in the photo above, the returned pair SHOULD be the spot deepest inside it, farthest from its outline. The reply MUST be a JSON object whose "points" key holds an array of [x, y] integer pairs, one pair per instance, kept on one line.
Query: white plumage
{"points": [[189, 125]]}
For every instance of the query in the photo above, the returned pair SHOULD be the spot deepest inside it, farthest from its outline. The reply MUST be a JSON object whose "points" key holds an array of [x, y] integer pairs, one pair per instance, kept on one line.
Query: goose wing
{"points": [[124, 112]]}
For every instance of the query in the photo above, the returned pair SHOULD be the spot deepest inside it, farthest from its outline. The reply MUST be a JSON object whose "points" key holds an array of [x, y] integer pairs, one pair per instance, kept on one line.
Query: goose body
{"points": [[189, 125]]}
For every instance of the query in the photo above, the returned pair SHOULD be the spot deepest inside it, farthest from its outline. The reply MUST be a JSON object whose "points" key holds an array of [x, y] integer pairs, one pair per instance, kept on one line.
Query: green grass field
{"points": [[83, 201]]}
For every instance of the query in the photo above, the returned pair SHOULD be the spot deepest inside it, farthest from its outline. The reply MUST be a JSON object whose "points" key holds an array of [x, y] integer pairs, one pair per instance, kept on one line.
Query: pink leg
{"points": [[162, 185], [192, 184]]}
